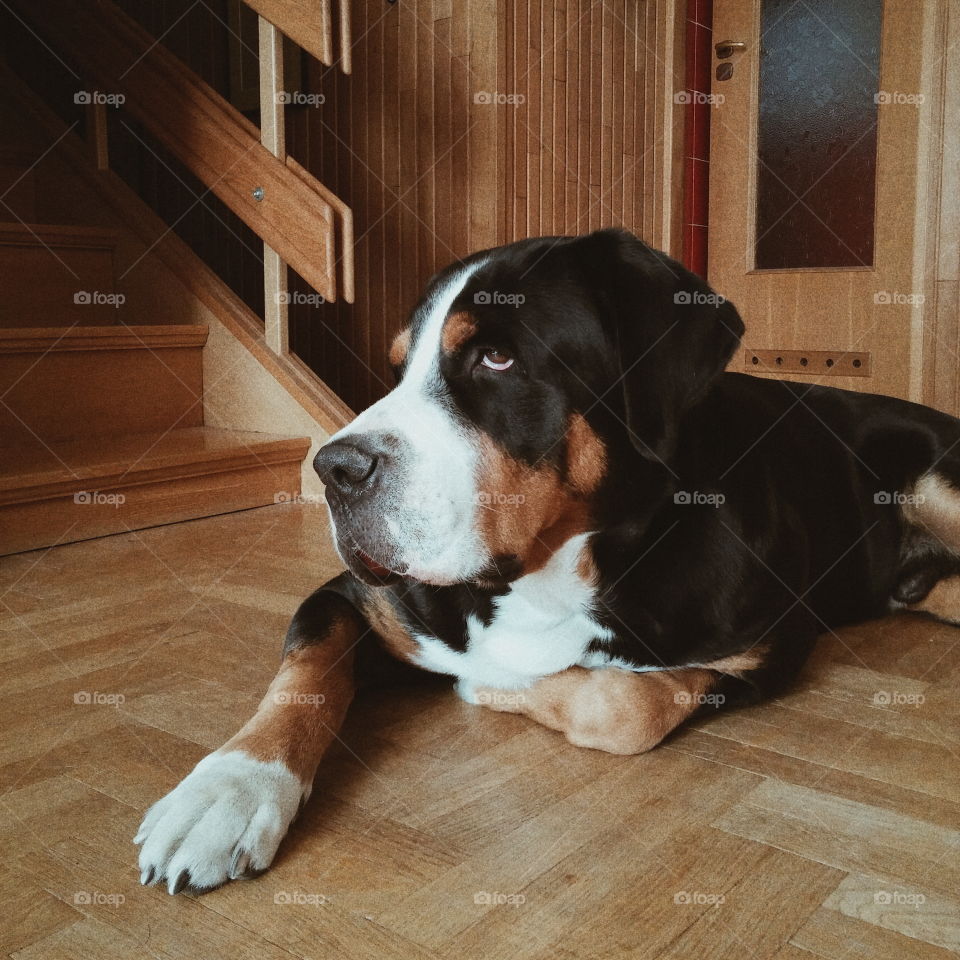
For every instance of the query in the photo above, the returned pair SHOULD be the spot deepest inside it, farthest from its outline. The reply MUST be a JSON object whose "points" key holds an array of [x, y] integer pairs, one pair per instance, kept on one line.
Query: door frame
{"points": [[935, 334]]}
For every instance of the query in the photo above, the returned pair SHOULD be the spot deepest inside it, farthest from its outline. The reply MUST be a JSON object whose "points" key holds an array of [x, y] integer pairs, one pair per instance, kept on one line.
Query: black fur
{"points": [[792, 540]]}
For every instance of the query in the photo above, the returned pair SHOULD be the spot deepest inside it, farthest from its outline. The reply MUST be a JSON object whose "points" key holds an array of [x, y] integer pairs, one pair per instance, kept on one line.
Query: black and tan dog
{"points": [[566, 499]]}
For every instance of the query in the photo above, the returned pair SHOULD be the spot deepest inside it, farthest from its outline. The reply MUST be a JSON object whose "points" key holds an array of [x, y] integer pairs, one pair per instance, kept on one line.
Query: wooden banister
{"points": [[346, 38], [308, 24], [219, 146], [276, 325], [345, 217]]}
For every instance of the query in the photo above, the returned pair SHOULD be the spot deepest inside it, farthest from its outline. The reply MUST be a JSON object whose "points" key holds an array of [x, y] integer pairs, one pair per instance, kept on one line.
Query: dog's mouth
{"points": [[377, 569], [371, 571], [496, 575]]}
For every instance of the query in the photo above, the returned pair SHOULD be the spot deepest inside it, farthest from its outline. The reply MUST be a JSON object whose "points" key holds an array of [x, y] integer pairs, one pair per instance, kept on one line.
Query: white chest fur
{"points": [[543, 625]]}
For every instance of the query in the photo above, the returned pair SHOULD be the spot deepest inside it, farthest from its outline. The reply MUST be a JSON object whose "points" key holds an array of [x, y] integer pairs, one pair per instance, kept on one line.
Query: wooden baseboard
{"points": [[88, 489]]}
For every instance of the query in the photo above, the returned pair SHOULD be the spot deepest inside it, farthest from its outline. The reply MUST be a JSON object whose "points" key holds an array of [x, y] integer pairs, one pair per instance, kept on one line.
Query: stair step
{"points": [[58, 383], [53, 275], [18, 184], [80, 489]]}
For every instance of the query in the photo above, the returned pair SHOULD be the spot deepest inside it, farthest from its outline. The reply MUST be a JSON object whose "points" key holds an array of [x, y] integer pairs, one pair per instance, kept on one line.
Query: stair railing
{"points": [[301, 223]]}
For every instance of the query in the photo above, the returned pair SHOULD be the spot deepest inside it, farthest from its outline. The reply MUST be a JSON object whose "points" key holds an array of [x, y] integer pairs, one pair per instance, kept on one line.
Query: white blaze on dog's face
{"points": [[421, 522]]}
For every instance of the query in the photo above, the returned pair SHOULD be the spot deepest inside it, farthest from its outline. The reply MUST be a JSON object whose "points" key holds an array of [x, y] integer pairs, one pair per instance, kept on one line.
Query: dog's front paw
{"points": [[223, 821]]}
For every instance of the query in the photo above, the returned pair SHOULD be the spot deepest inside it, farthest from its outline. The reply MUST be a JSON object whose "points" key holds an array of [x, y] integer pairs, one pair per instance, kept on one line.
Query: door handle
{"points": [[727, 48]]}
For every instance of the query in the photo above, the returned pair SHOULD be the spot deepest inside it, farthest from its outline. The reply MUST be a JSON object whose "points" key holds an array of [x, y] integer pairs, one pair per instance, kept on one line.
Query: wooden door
{"points": [[815, 199]]}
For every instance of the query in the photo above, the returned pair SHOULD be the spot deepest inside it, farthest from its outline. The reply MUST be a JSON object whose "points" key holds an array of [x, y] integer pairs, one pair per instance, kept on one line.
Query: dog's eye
{"points": [[496, 360]]}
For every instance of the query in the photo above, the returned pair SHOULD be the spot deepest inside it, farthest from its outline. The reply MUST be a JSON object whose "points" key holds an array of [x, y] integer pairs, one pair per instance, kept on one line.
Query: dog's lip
{"points": [[376, 568]]}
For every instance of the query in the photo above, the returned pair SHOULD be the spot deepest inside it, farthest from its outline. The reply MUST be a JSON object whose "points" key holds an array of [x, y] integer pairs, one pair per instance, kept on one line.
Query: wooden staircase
{"points": [[53, 275], [101, 422], [102, 401]]}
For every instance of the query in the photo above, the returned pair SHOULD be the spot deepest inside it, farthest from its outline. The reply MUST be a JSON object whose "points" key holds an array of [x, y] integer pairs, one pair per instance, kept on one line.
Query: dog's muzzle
{"points": [[355, 472]]}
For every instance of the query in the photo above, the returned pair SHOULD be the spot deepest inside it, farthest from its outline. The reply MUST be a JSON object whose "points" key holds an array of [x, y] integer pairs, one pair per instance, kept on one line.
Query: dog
{"points": [[567, 505]]}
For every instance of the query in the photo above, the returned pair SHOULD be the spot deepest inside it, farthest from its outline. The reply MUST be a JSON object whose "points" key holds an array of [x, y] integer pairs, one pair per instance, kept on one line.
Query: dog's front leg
{"points": [[610, 709], [228, 816]]}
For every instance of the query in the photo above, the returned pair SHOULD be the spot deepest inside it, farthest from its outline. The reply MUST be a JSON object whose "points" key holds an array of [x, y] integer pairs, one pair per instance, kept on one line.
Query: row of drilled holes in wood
{"points": [[834, 363]]}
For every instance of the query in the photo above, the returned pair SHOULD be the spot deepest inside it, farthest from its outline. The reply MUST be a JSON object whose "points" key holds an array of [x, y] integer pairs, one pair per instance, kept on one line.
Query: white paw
{"points": [[225, 819], [466, 691]]}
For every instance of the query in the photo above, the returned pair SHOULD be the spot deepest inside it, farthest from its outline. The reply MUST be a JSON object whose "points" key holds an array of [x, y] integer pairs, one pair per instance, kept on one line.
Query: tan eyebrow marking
{"points": [[400, 347], [458, 328]]}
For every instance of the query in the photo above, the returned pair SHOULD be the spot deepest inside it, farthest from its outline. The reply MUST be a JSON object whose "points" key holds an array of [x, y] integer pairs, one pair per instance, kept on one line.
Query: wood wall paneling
{"points": [[465, 125]]}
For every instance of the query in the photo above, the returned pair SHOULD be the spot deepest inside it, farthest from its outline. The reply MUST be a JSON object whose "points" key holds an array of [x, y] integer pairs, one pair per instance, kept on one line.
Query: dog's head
{"points": [[527, 374]]}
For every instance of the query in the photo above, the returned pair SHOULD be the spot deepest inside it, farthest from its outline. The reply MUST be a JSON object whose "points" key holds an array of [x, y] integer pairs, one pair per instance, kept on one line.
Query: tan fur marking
{"points": [[458, 328], [739, 662], [517, 501], [943, 601], [304, 706], [383, 618], [399, 348], [587, 567], [527, 511], [935, 506], [586, 456], [575, 519], [531, 511], [609, 709]]}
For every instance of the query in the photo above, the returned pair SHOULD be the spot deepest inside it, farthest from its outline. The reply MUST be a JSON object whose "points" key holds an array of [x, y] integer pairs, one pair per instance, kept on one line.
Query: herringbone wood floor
{"points": [[823, 825]]}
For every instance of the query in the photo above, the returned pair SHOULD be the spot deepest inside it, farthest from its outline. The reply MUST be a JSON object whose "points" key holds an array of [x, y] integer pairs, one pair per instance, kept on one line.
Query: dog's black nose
{"points": [[347, 466]]}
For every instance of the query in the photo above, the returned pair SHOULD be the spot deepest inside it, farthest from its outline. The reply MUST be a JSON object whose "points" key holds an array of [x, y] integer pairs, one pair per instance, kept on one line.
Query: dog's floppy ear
{"points": [[672, 334]]}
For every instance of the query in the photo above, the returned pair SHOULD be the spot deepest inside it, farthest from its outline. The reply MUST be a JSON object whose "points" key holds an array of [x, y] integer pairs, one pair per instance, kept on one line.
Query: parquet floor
{"points": [[823, 825]]}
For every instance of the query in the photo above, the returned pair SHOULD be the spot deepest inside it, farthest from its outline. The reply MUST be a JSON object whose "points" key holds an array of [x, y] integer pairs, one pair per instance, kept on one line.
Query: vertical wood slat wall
{"points": [[586, 148], [433, 173]]}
